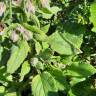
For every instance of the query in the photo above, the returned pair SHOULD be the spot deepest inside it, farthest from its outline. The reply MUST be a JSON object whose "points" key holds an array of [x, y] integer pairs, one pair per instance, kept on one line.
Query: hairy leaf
{"points": [[18, 54], [43, 85], [69, 41]]}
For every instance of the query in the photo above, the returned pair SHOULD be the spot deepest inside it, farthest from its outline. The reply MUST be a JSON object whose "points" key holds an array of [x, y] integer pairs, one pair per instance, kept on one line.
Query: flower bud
{"points": [[20, 29], [30, 8], [14, 36], [16, 2], [45, 3], [34, 61], [2, 26], [25, 33], [2, 8]]}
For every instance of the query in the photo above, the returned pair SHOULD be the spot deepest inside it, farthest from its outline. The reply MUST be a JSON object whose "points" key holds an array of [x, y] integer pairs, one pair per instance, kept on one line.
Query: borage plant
{"points": [[47, 48]]}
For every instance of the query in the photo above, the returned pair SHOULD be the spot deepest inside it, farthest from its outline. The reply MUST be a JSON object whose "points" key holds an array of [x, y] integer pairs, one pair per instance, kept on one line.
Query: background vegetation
{"points": [[47, 48]]}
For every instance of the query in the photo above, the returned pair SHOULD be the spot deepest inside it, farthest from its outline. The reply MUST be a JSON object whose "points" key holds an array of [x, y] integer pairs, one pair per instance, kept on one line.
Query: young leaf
{"points": [[32, 28], [45, 28], [55, 9], [24, 70], [35, 20], [38, 47]]}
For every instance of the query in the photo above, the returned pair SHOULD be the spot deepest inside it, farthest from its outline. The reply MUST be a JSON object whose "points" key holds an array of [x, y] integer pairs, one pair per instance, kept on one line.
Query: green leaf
{"points": [[59, 45], [18, 54], [73, 33], [93, 15], [55, 9], [60, 79], [47, 10], [39, 34], [35, 20], [81, 70], [82, 89], [75, 80], [43, 85], [2, 90], [11, 94], [32, 28], [11, 91], [4, 77], [38, 47], [46, 54], [69, 41], [67, 60], [70, 93], [45, 28], [24, 70], [45, 45], [45, 15]]}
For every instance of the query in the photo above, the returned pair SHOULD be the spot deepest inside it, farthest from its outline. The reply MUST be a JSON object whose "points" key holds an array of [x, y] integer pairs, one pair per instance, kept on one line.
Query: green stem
{"points": [[10, 9]]}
